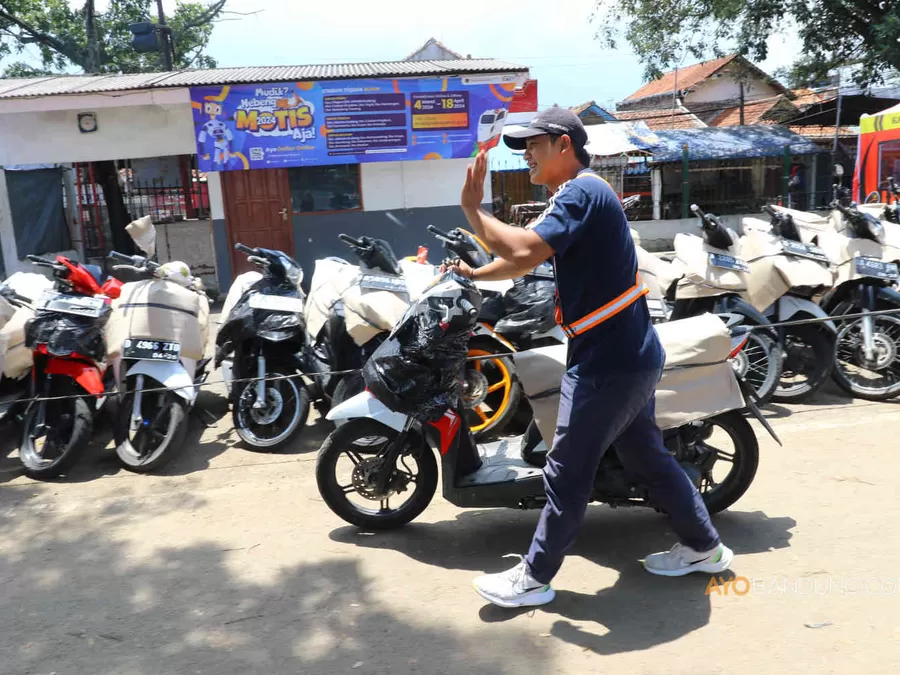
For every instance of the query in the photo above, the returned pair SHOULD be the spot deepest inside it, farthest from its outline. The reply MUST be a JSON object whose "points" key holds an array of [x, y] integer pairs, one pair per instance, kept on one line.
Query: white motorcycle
{"points": [[157, 338], [786, 275]]}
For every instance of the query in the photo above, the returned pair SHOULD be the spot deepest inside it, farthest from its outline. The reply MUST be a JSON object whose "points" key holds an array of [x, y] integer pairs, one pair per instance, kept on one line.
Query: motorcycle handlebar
{"points": [[245, 249], [440, 234], [115, 255], [768, 208], [37, 260], [350, 241], [256, 260]]}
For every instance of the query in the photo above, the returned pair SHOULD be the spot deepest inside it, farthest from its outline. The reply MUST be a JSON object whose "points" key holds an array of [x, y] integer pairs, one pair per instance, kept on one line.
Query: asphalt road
{"points": [[229, 562]]}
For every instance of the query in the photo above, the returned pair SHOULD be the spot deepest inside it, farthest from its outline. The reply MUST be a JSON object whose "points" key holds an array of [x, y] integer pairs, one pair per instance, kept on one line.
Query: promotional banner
{"points": [[347, 121]]}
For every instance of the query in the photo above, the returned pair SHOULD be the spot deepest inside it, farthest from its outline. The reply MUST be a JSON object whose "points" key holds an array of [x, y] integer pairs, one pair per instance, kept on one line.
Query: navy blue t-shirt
{"points": [[595, 262]]}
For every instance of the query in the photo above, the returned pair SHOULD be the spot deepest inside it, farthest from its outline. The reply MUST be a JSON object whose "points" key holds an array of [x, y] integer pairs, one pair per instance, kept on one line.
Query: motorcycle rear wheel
{"points": [[361, 439], [69, 435], [164, 434]]}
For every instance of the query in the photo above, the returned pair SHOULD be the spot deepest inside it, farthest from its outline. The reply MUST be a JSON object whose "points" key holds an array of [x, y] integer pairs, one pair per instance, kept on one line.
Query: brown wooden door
{"points": [[257, 212]]}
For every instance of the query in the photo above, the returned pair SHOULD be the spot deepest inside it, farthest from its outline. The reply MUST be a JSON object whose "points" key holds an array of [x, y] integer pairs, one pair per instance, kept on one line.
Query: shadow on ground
{"points": [[76, 599], [639, 611]]}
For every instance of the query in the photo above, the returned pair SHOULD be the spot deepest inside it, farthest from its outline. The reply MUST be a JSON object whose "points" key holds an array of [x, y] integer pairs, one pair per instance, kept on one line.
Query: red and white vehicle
{"points": [[67, 339]]}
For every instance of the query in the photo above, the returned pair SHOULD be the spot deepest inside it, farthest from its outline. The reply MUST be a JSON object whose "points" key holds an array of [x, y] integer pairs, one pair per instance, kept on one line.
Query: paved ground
{"points": [[231, 563]]}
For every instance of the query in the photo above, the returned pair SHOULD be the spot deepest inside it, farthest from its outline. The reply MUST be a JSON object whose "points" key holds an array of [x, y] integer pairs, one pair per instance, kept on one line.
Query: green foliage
{"points": [[61, 35], [828, 33]]}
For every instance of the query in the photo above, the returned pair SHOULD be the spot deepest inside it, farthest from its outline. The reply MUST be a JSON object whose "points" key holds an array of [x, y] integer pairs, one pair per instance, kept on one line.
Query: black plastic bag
{"points": [[529, 308], [245, 322], [418, 368], [66, 334]]}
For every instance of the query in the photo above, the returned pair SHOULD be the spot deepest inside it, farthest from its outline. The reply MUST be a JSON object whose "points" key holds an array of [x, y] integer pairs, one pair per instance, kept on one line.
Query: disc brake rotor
{"points": [[270, 411], [885, 351], [365, 480], [475, 388]]}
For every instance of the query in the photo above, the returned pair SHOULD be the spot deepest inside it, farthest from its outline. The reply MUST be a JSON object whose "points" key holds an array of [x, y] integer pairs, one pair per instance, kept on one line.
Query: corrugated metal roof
{"points": [[93, 84], [730, 143]]}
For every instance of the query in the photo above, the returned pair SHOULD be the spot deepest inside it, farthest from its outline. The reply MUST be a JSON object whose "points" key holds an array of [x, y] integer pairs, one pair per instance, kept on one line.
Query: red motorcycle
{"points": [[68, 389]]}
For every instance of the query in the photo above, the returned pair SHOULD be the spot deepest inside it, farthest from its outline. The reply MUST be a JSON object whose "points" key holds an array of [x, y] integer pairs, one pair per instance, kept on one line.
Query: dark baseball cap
{"points": [[554, 120]]}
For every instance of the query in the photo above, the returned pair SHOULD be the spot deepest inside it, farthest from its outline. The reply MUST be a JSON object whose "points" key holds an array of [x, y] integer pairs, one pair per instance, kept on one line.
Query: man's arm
{"points": [[523, 248], [499, 270]]}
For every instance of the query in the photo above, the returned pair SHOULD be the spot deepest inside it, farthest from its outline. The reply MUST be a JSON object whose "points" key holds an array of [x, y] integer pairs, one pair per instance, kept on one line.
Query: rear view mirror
{"points": [[838, 170]]}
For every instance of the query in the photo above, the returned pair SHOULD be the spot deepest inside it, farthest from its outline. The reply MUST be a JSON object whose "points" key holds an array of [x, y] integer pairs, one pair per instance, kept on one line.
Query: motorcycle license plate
{"points": [[151, 350], [872, 267], [379, 282], [803, 250], [71, 304], [276, 303], [728, 262]]}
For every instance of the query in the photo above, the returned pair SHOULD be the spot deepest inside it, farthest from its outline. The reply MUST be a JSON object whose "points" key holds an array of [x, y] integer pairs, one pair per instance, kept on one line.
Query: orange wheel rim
{"points": [[505, 383]]}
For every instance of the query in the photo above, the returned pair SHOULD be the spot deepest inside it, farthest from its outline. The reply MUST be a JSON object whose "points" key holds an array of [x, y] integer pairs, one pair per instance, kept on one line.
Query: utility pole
{"points": [[165, 35], [92, 62]]}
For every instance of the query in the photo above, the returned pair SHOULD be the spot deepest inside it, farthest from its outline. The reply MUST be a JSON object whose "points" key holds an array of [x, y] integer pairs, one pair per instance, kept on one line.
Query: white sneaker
{"points": [[514, 588], [681, 560]]}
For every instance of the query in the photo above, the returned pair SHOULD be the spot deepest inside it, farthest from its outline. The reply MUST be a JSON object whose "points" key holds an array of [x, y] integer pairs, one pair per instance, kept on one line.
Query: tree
{"points": [[101, 43], [830, 33]]}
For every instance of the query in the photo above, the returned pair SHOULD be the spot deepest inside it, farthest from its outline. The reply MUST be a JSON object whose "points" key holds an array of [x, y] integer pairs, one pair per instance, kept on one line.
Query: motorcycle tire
{"points": [[347, 387], [844, 380], [171, 431], [503, 407], [73, 423], [359, 431], [772, 364], [746, 454], [243, 416], [821, 344]]}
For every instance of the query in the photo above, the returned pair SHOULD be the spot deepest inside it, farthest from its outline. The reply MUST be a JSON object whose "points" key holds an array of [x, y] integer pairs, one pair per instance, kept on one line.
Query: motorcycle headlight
{"points": [[279, 326]]}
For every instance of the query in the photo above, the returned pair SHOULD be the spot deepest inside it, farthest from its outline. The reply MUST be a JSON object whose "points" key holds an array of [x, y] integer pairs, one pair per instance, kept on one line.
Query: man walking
{"points": [[615, 359]]}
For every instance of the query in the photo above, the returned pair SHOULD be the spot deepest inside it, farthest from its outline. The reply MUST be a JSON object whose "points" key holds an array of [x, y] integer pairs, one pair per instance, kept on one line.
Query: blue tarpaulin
{"points": [[730, 143]]}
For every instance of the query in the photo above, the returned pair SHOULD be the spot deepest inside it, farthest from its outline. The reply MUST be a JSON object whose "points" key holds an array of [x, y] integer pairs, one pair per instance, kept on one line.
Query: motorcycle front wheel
{"points": [[160, 433], [760, 363], [51, 452], [275, 422], [808, 362], [874, 378], [350, 464]]}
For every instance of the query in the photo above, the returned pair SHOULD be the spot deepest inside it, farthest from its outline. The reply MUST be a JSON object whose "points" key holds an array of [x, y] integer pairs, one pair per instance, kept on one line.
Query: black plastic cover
{"points": [[529, 307], [67, 334], [418, 368]]}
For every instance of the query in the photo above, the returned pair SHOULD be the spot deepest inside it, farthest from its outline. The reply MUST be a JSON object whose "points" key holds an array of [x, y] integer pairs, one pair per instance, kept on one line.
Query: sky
{"points": [[556, 44]]}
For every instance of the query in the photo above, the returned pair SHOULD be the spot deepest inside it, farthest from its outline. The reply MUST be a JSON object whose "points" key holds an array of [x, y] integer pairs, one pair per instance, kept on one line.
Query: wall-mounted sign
{"points": [[347, 121]]}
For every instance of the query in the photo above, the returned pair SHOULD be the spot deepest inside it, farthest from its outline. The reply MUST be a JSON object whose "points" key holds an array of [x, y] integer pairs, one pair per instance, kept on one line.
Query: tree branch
{"points": [[206, 17], [73, 55]]}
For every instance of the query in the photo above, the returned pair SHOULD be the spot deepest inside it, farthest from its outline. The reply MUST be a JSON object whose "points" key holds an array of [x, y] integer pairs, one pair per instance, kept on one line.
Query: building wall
{"points": [[122, 133], [191, 242], [726, 88]]}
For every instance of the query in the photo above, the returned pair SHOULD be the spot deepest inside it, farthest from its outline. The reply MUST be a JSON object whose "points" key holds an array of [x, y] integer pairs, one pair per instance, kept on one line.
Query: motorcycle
{"points": [[867, 264], [70, 382], [261, 349], [785, 277], [157, 338], [17, 295], [351, 310], [407, 414], [708, 276]]}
